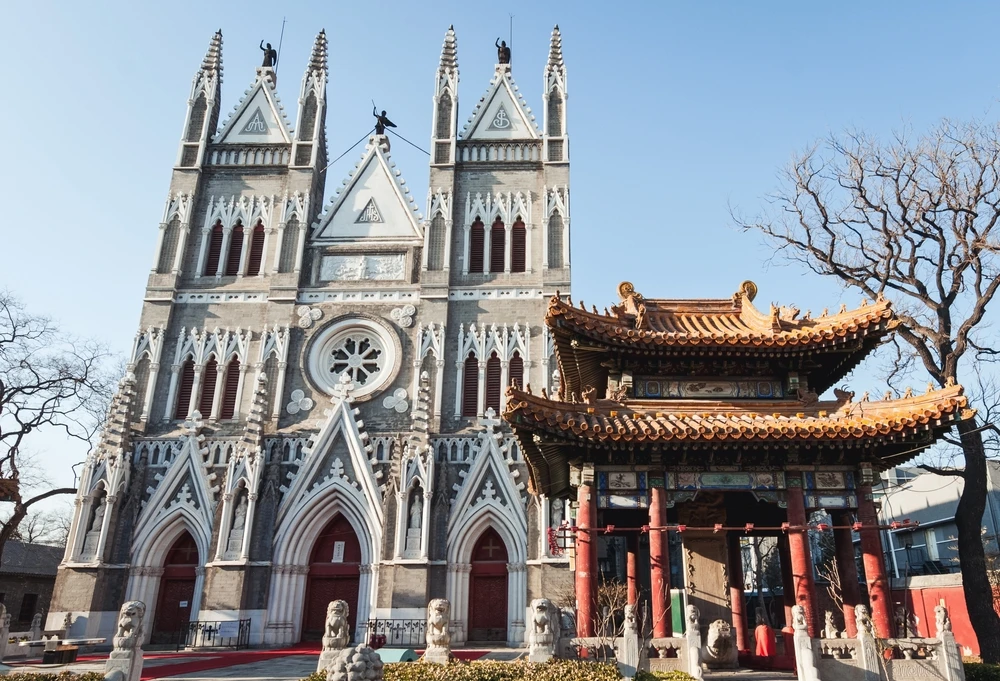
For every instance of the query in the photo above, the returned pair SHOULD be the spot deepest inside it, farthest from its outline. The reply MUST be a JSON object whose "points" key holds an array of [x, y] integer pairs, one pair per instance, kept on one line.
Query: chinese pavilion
{"points": [[700, 421]]}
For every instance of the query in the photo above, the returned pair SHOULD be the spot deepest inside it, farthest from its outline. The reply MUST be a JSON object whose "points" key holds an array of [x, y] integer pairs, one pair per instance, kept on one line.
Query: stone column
{"points": [[798, 547], [659, 565], [737, 601], [847, 568], [631, 579], [871, 548], [586, 560]]}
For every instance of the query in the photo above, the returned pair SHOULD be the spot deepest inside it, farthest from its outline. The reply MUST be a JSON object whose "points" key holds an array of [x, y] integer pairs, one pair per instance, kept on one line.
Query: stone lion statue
{"points": [[942, 622], [720, 648], [438, 618], [631, 619], [863, 620], [129, 633], [337, 631], [829, 626], [541, 619], [360, 663]]}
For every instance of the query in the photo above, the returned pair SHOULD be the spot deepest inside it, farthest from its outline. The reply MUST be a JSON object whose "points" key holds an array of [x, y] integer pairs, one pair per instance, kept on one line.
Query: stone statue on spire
{"points": [[270, 55], [503, 52], [381, 121]]}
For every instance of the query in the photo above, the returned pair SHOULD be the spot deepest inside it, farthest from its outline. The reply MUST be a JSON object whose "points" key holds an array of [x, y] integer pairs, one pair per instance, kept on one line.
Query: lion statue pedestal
{"points": [[543, 627], [360, 663], [125, 661], [336, 634], [720, 650], [438, 636]]}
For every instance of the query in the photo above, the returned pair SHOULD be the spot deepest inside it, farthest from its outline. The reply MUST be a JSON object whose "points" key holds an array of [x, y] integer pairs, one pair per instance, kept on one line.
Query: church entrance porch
{"points": [[488, 589], [334, 574], [176, 592]]}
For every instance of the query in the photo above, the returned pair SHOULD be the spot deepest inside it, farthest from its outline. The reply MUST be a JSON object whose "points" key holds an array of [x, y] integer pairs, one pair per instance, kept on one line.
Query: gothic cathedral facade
{"points": [[311, 406]]}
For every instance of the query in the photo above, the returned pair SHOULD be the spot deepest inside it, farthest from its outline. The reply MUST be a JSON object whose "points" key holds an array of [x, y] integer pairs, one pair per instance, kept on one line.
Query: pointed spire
{"points": [[253, 431], [555, 50], [213, 58], [449, 51], [317, 60]]}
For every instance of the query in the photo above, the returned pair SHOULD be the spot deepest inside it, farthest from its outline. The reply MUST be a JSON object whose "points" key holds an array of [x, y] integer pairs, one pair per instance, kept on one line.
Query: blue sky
{"points": [[676, 112]]}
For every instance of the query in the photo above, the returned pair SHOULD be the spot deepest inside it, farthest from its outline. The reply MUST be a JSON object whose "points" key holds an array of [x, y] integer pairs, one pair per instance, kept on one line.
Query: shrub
{"points": [[978, 671], [556, 670], [673, 675]]}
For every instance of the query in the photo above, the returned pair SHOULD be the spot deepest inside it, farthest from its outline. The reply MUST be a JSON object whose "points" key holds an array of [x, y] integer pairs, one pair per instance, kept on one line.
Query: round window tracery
{"points": [[359, 348]]}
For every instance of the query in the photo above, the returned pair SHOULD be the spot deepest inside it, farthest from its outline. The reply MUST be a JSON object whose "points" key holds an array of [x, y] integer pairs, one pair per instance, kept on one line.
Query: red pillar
{"points": [[736, 598], [787, 583], [798, 547], [871, 549], [632, 547], [847, 568], [659, 565], [586, 561]]}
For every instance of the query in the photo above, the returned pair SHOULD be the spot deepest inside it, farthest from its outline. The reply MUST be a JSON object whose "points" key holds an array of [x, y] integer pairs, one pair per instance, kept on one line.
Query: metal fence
{"points": [[397, 633], [228, 634]]}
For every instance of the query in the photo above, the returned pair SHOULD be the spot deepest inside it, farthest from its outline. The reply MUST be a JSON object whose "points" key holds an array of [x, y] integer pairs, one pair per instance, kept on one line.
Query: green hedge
{"points": [[556, 670], [977, 671]]}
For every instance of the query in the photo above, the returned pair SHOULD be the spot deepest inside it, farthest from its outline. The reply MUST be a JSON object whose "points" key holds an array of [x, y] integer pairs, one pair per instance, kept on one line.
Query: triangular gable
{"points": [[501, 114], [373, 205], [185, 486], [324, 466], [258, 119], [490, 482]]}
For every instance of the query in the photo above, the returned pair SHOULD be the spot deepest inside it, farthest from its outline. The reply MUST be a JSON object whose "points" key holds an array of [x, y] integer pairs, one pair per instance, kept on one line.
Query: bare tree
{"points": [[915, 221], [44, 527], [48, 382]]}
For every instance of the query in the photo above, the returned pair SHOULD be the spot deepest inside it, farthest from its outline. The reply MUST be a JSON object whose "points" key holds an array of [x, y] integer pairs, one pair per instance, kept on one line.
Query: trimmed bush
{"points": [[978, 671], [487, 670], [674, 675]]}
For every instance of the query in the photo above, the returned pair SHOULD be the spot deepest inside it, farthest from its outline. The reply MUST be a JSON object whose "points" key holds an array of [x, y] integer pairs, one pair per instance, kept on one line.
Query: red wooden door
{"points": [[488, 589], [173, 605], [334, 574]]}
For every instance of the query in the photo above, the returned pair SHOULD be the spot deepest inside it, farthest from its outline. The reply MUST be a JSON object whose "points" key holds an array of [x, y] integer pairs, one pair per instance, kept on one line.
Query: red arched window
{"points": [[515, 369], [470, 386], [493, 387], [235, 251], [498, 242], [214, 250], [256, 255], [184, 390], [477, 242], [209, 376], [232, 387], [518, 239]]}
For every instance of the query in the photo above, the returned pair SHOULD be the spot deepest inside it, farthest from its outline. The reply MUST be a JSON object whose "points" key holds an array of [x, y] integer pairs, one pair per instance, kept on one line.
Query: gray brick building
{"points": [[310, 409]]}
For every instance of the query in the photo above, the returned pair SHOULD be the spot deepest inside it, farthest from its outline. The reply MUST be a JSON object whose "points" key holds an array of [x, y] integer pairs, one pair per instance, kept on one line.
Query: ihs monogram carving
{"points": [[308, 316]]}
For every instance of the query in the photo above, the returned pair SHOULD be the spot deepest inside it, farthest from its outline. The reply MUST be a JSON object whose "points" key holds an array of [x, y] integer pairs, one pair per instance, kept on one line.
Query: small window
{"points": [[493, 387], [498, 242], [232, 387], [518, 242], [209, 377], [184, 393], [470, 386], [214, 250], [516, 371], [235, 251], [256, 256], [477, 243]]}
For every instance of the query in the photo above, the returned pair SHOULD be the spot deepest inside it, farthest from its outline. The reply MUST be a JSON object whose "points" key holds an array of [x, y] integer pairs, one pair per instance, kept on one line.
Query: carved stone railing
{"points": [[499, 152], [914, 648], [248, 155]]}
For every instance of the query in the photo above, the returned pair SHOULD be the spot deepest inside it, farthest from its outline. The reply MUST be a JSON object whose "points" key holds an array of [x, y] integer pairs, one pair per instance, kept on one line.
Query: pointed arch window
{"points": [[470, 386], [477, 244], [518, 246], [184, 392], [498, 242], [209, 376], [493, 387], [215, 239], [230, 390], [235, 251], [256, 255], [515, 370]]}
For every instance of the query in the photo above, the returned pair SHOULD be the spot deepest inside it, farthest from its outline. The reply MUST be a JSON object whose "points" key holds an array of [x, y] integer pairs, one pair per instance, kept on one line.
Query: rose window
{"points": [[357, 355], [364, 350]]}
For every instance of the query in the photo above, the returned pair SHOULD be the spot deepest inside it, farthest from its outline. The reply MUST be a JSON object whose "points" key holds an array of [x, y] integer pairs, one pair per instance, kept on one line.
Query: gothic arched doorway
{"points": [[176, 593], [334, 574], [488, 589]]}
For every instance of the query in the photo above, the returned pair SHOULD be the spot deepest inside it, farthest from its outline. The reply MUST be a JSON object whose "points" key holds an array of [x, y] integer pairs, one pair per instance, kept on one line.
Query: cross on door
{"points": [[490, 546]]}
